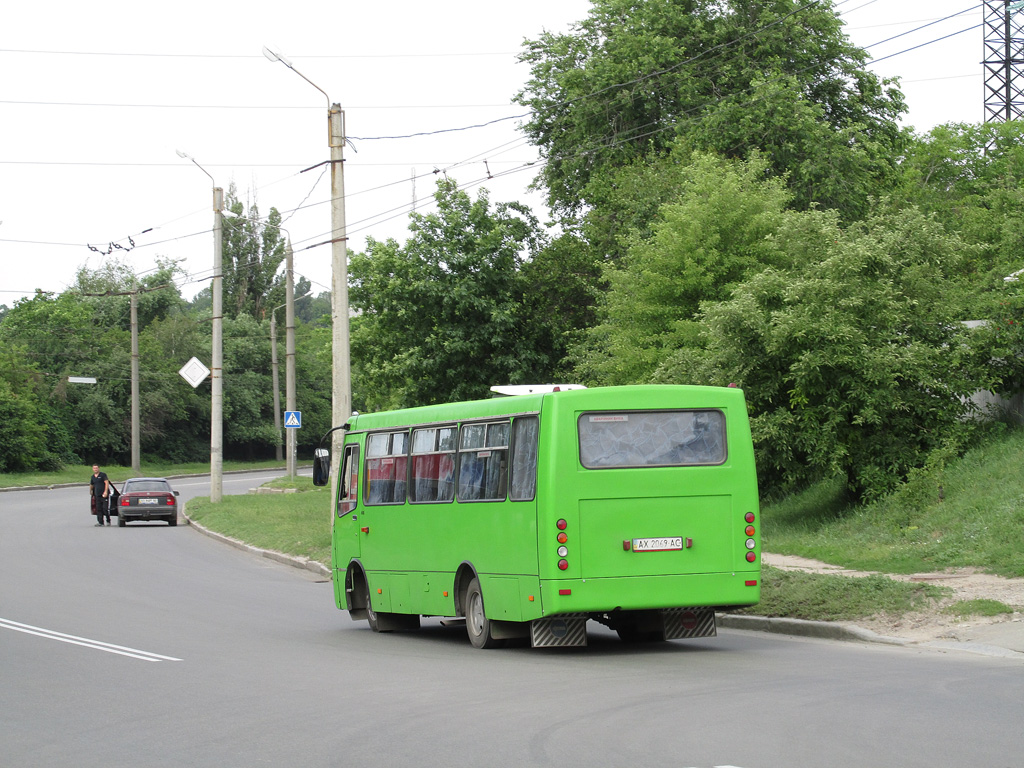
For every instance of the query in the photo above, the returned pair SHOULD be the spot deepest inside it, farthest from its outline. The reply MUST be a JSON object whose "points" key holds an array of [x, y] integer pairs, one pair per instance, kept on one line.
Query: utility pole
{"points": [[341, 380], [136, 452], [217, 367], [341, 374], [289, 351], [217, 342], [135, 400], [277, 388]]}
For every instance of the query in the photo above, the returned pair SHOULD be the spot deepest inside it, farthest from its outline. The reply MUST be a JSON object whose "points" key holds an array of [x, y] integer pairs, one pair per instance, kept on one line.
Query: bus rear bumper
{"points": [[638, 593]]}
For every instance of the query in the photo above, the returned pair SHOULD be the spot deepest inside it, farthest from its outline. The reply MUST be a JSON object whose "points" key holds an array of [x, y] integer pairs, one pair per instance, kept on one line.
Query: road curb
{"points": [[824, 630], [305, 563]]}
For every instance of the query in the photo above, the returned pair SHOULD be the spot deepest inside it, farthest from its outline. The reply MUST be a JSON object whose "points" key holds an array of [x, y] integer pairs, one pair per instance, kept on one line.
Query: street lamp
{"points": [[341, 376], [217, 352]]}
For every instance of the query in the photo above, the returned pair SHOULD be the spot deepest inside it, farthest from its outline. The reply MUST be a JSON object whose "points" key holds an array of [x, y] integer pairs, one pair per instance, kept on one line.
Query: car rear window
{"points": [[146, 486]]}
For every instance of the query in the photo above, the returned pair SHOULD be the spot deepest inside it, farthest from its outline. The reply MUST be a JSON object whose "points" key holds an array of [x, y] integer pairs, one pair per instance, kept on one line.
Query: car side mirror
{"points": [[321, 466]]}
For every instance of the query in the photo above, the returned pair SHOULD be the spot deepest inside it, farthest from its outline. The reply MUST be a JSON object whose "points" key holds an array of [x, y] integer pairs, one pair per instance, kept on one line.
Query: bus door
{"points": [[346, 526]]}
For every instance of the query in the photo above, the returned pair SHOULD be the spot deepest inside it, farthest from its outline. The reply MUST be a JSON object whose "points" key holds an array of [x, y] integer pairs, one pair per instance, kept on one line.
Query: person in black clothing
{"points": [[99, 487]]}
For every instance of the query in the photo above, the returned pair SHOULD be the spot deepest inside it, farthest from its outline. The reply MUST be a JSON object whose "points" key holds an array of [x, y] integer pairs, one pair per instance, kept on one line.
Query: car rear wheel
{"points": [[121, 521]]}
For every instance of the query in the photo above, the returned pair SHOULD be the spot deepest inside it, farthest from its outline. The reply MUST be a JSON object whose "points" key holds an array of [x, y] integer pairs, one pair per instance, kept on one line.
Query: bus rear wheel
{"points": [[478, 626]]}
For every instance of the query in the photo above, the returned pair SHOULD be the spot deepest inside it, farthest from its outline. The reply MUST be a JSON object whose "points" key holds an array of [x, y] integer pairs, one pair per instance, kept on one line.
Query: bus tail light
{"points": [[563, 565]]}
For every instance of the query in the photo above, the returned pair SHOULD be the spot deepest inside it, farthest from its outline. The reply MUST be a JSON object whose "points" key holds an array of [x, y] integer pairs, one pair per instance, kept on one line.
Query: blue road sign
{"points": [[293, 419]]}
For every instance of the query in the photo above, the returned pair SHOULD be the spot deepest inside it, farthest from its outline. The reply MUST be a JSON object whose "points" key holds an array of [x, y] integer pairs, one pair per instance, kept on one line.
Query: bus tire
{"points": [[478, 626], [371, 615]]}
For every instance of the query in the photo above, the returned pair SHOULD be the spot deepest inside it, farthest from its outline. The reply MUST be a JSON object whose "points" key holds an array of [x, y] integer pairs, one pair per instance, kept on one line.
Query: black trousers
{"points": [[102, 509]]}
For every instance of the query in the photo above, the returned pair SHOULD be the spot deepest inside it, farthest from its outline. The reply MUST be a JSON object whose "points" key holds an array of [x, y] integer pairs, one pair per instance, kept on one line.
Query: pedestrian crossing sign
{"points": [[293, 419]]}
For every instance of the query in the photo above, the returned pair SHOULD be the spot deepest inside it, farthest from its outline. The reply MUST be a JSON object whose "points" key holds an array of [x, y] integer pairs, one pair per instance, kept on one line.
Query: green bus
{"points": [[529, 515]]}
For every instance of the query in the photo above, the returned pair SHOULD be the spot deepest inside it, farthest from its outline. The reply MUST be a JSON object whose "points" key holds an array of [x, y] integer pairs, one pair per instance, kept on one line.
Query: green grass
{"points": [[815, 597], [117, 474], [982, 607], [293, 523], [976, 519]]}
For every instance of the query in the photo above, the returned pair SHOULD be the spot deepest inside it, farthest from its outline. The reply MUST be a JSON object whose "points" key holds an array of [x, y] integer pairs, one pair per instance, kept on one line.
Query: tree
{"points": [[441, 317], [253, 252], [732, 76], [970, 177], [719, 230], [853, 363]]}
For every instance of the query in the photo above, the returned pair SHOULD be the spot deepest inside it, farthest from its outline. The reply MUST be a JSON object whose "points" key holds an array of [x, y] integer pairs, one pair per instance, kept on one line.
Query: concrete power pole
{"points": [[136, 452], [341, 385], [277, 387], [217, 366], [289, 351]]}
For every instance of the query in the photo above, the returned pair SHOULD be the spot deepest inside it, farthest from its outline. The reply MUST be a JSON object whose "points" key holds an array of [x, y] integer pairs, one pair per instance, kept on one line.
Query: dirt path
{"points": [[934, 624]]}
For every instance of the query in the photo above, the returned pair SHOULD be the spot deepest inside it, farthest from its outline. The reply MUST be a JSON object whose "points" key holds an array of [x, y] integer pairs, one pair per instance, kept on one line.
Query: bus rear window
{"points": [[652, 438]]}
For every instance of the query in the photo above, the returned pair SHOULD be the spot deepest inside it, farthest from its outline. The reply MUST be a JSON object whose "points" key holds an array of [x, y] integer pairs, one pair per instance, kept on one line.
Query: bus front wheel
{"points": [[371, 615], [478, 626]]}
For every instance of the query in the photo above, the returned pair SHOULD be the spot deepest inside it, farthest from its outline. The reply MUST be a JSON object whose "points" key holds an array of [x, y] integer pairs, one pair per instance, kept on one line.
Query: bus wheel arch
{"points": [[357, 591], [463, 576]]}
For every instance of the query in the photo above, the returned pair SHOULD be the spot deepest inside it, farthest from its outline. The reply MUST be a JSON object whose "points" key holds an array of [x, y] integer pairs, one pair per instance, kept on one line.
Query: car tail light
{"points": [[170, 500], [124, 502]]}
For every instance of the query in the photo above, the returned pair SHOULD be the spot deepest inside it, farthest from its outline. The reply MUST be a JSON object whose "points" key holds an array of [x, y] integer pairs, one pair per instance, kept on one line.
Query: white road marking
{"points": [[83, 641]]}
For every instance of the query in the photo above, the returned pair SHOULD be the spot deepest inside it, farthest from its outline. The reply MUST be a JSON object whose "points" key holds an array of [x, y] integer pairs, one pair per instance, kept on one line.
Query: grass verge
{"points": [[823, 597], [967, 513], [296, 524]]}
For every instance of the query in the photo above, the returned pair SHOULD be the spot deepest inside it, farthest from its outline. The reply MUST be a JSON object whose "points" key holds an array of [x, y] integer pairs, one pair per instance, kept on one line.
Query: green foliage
{"points": [[968, 514], [970, 177], [732, 77], [442, 318], [719, 230], [853, 364], [253, 252]]}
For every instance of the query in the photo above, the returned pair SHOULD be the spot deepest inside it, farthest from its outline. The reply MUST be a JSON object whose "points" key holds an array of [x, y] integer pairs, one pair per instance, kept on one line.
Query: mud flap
{"points": [[682, 623], [563, 631]]}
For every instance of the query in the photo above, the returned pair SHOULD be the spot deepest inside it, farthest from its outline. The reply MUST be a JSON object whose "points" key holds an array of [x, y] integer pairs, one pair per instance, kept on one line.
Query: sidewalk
{"points": [[1001, 635]]}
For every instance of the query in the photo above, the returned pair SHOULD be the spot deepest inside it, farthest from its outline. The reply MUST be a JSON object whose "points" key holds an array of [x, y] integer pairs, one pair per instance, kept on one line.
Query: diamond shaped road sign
{"points": [[194, 372]]}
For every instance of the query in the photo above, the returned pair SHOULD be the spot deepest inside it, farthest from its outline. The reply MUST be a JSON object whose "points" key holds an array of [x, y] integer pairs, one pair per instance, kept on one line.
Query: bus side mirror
{"points": [[321, 466]]}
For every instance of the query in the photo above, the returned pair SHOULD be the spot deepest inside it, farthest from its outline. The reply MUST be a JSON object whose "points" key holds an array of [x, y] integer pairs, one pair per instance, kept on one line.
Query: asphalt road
{"points": [[177, 650]]}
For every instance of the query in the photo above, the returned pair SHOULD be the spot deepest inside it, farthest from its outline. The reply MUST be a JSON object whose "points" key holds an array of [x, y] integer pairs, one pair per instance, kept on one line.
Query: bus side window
{"points": [[433, 464], [483, 462], [525, 431], [348, 487], [386, 463]]}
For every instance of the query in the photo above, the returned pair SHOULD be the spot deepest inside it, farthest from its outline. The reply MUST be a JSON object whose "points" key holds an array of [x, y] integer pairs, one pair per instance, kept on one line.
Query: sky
{"points": [[97, 98]]}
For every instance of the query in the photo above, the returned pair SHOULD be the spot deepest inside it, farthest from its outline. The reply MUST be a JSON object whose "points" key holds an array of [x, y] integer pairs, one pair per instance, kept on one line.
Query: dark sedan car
{"points": [[147, 498]]}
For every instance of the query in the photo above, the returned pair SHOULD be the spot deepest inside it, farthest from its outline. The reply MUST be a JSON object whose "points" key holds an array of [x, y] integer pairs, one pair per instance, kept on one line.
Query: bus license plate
{"points": [[658, 545]]}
